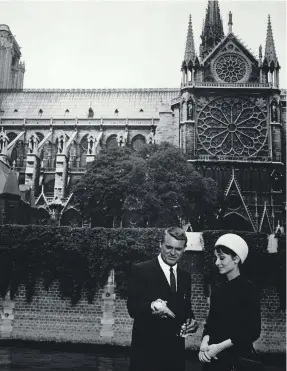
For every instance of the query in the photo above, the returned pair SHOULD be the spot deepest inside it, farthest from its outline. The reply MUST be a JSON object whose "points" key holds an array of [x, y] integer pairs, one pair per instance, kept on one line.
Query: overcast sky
{"points": [[104, 44]]}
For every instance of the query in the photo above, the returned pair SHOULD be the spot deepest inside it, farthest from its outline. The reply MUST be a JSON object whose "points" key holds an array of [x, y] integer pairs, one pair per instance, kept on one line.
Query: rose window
{"points": [[232, 126], [230, 68]]}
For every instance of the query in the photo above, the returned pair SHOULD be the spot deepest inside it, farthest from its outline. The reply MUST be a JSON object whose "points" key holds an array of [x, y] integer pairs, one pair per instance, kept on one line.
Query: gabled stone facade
{"points": [[232, 122]]}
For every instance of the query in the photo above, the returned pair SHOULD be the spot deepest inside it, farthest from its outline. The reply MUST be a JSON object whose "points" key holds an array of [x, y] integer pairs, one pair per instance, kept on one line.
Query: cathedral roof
{"points": [[235, 39], [77, 102]]}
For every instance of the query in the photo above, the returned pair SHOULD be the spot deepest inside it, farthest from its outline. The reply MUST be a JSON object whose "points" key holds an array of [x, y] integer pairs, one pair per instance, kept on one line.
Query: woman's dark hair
{"points": [[227, 251]]}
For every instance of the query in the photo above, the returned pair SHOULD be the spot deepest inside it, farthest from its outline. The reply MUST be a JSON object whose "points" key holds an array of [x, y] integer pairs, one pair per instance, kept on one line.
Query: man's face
{"points": [[172, 249]]}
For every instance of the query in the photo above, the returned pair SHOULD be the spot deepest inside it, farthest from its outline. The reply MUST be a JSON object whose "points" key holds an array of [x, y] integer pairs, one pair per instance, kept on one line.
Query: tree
{"points": [[153, 187]]}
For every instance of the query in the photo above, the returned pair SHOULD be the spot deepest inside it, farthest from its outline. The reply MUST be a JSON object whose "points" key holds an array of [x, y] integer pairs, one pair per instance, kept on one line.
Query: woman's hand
{"points": [[213, 350], [203, 355]]}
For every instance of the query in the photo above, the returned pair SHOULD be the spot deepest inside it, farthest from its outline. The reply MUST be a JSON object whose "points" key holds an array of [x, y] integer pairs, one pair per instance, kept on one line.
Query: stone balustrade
{"points": [[227, 85]]}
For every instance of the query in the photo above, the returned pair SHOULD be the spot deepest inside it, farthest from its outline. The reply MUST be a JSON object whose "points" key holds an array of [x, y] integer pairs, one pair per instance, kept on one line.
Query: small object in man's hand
{"points": [[160, 306]]}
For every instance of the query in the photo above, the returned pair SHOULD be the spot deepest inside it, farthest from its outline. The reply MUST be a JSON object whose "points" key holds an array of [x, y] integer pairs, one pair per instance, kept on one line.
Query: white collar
{"points": [[165, 267]]}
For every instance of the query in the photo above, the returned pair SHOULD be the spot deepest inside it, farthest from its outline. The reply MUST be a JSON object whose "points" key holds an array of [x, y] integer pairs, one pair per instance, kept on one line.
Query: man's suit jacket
{"points": [[155, 342]]}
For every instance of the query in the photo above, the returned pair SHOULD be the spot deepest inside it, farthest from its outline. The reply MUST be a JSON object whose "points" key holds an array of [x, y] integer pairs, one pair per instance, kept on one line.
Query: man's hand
{"points": [[191, 326], [160, 309]]}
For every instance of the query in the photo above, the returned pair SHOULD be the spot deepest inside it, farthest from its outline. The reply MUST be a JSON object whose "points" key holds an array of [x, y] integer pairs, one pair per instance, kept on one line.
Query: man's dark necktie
{"points": [[172, 281]]}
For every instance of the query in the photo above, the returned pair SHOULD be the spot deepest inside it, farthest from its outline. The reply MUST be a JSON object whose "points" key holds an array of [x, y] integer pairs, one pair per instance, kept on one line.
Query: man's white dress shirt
{"points": [[166, 269]]}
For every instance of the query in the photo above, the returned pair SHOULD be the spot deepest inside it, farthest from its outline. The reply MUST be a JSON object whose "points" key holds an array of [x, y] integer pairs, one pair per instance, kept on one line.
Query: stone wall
{"points": [[167, 129], [50, 318]]}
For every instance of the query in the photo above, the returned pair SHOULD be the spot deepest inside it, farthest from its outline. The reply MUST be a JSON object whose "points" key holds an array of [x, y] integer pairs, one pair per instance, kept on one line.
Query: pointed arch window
{"points": [[112, 142], [138, 142]]}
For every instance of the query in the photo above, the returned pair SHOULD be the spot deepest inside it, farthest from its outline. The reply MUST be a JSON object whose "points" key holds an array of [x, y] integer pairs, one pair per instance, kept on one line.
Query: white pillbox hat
{"points": [[234, 243]]}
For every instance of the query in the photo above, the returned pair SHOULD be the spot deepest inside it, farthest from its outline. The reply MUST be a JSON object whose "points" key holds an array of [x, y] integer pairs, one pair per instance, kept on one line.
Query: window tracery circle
{"points": [[231, 126], [231, 68]]}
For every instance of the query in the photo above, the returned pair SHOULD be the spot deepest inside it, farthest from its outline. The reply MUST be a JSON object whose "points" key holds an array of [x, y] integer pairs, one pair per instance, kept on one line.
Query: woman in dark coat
{"points": [[234, 320]]}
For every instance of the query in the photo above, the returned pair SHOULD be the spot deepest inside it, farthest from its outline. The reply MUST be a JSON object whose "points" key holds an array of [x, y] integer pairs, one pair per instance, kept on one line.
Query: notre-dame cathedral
{"points": [[228, 116]]}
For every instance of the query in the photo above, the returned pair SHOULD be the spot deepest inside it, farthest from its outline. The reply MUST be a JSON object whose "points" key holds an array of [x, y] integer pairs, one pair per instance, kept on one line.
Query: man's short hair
{"points": [[177, 233]]}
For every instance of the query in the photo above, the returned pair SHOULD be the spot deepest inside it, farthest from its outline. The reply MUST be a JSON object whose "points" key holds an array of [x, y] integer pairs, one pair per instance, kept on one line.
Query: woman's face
{"points": [[225, 263]]}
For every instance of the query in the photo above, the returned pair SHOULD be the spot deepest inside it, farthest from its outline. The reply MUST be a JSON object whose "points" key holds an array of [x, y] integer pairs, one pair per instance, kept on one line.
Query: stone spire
{"points": [[260, 52], [230, 23], [189, 47], [212, 32], [270, 57]]}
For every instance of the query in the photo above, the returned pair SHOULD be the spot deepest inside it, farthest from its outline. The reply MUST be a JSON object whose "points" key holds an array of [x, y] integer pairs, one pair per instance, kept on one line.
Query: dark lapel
{"points": [[180, 280], [160, 278]]}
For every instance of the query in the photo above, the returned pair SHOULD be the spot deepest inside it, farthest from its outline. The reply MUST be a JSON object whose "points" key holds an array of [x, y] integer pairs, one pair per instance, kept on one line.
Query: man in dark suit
{"points": [[159, 301]]}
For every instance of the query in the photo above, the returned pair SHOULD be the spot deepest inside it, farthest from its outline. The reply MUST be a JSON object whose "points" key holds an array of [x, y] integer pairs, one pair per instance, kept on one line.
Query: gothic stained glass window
{"points": [[230, 68], [112, 142], [232, 126]]}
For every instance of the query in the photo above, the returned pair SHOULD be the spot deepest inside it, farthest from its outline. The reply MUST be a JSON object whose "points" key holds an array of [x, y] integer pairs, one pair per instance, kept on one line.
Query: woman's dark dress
{"points": [[234, 314]]}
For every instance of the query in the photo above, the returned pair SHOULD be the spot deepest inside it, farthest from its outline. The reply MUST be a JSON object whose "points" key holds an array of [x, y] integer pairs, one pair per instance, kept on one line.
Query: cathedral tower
{"points": [[231, 124], [11, 68], [212, 31]]}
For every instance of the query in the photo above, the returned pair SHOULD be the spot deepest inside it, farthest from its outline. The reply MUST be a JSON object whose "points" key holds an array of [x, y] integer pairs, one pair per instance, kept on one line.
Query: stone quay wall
{"points": [[50, 318]]}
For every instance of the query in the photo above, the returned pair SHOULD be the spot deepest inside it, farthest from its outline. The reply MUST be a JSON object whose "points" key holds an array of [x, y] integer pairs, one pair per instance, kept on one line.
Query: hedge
{"points": [[80, 259]]}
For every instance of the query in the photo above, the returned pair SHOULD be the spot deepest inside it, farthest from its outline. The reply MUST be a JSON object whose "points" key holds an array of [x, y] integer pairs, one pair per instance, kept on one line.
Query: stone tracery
{"points": [[232, 126], [230, 68]]}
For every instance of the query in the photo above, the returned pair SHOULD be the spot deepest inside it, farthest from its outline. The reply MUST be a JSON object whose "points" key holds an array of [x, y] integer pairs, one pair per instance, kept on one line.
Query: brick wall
{"points": [[50, 318]]}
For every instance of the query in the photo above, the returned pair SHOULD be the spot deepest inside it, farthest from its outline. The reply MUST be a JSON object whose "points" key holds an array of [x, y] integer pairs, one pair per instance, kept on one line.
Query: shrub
{"points": [[80, 259]]}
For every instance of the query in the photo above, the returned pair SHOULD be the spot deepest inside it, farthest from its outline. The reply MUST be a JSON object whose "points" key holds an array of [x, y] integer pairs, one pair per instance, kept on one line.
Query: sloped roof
{"points": [[104, 102], [236, 40], [8, 180]]}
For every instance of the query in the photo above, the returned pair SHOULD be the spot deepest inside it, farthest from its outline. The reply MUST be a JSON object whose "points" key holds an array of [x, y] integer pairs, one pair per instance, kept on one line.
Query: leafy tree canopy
{"points": [[155, 186]]}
